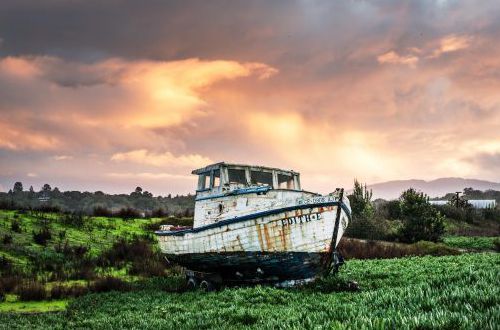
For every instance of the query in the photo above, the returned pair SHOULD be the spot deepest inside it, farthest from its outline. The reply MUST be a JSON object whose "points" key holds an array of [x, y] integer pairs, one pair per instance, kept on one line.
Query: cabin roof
{"points": [[254, 167]]}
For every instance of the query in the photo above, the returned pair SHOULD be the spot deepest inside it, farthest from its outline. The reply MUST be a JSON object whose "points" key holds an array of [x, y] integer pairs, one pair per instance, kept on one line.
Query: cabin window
{"points": [[236, 176], [285, 181], [216, 182], [262, 178], [204, 182]]}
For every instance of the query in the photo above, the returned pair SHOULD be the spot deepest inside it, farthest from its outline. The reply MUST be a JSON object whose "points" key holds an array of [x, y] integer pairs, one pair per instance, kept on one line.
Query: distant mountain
{"points": [[435, 188]]}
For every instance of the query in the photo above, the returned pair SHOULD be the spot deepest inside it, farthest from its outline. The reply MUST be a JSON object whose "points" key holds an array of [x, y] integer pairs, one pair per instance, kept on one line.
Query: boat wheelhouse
{"points": [[256, 224]]}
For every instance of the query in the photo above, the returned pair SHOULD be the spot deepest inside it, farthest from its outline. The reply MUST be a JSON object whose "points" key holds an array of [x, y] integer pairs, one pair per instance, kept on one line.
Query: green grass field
{"points": [[449, 292], [477, 243], [417, 292]]}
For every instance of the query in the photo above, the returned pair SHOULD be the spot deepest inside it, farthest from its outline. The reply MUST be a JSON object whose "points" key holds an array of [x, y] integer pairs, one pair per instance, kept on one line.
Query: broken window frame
{"points": [[202, 181], [245, 176], [213, 177], [289, 184], [261, 183]]}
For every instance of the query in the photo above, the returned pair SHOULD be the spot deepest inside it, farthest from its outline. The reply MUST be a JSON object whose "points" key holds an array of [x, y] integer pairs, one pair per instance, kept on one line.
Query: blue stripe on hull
{"points": [[274, 266], [253, 216]]}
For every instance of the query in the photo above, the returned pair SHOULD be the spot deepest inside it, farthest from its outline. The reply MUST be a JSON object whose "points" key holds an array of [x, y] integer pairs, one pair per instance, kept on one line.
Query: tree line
{"points": [[138, 203]]}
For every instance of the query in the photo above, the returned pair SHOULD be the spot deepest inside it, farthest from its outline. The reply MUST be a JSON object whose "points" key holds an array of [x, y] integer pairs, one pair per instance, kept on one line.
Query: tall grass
{"points": [[449, 292]]}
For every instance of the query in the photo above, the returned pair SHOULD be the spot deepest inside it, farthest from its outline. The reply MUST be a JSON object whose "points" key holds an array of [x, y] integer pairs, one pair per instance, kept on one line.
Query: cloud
{"points": [[452, 43], [63, 157], [400, 94], [17, 137], [82, 99], [393, 58], [146, 157], [489, 161]]}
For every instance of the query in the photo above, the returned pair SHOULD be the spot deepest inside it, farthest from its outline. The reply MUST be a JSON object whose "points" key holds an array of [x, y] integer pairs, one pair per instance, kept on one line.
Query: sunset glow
{"points": [[412, 90]]}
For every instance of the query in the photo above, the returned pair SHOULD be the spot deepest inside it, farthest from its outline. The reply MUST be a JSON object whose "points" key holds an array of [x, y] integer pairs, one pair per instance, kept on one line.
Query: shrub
{"points": [[79, 251], [365, 227], [148, 267], [9, 283], [159, 213], [46, 260], [496, 242], [62, 235], [393, 209], [5, 265], [48, 209], [31, 291], [469, 214], [353, 248], [102, 211], [128, 213], [491, 214], [42, 236], [61, 291], [7, 239], [74, 219], [2, 293], [109, 283], [72, 252], [15, 226], [145, 260], [123, 250], [422, 248], [421, 221], [83, 271]]}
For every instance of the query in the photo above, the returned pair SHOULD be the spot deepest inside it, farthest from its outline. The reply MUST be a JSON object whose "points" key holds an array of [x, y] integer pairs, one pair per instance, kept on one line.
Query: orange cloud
{"points": [[123, 95], [19, 67], [452, 43], [394, 58], [63, 157], [18, 138]]}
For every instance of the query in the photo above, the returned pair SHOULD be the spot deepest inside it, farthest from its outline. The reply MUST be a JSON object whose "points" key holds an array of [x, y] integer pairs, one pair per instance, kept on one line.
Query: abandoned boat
{"points": [[255, 224]]}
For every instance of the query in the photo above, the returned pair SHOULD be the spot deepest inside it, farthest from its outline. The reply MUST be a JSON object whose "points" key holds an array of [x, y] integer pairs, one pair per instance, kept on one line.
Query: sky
{"points": [[110, 95]]}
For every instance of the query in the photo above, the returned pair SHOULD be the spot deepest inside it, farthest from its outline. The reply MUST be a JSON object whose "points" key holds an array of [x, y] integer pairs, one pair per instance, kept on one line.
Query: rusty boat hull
{"points": [[290, 242]]}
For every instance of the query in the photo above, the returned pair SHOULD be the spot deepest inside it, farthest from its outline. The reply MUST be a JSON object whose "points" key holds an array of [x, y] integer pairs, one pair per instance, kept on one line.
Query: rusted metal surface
{"points": [[309, 230], [248, 226]]}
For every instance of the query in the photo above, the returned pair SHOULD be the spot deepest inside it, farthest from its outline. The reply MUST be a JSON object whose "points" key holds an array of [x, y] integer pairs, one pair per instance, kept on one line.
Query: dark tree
{"points": [[363, 224], [360, 200], [137, 192], [46, 187], [421, 221], [18, 187]]}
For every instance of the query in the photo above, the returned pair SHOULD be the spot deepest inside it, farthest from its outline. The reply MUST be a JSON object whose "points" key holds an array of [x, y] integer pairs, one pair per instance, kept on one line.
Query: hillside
{"points": [[434, 188]]}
